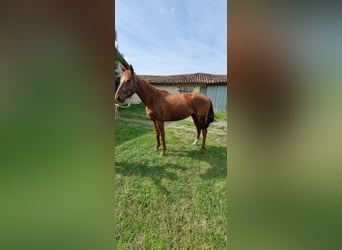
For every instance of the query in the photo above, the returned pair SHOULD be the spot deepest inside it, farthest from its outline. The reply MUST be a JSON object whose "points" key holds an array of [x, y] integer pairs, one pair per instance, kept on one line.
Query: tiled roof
{"points": [[197, 78]]}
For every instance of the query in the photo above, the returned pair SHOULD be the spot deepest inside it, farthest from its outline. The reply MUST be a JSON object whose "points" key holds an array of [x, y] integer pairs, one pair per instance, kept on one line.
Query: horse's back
{"points": [[198, 101]]}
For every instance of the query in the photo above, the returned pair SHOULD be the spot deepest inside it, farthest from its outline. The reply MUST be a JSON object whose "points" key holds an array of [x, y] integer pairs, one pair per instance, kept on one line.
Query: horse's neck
{"points": [[146, 92]]}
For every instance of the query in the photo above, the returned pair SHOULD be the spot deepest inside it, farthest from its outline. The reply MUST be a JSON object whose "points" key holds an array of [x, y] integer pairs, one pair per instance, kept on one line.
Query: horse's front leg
{"points": [[157, 135], [160, 126]]}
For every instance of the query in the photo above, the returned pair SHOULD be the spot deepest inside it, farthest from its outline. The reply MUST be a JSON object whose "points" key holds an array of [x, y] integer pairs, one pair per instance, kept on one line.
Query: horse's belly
{"points": [[176, 117], [177, 108], [177, 114]]}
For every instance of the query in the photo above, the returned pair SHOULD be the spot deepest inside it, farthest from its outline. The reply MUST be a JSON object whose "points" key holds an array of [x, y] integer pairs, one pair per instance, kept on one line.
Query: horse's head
{"points": [[128, 85]]}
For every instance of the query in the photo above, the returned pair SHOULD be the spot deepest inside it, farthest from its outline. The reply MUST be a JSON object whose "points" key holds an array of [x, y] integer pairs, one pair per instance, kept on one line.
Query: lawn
{"points": [[178, 201]]}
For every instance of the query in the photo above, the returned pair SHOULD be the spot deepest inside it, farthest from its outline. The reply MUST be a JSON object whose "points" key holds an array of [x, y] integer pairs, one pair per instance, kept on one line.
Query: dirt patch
{"points": [[135, 120], [220, 129]]}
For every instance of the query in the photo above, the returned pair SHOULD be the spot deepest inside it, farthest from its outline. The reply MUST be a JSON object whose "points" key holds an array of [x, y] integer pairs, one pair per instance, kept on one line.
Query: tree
{"points": [[119, 59]]}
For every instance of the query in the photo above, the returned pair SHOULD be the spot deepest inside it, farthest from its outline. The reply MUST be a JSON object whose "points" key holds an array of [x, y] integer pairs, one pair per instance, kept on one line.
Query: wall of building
{"points": [[218, 96], [133, 100]]}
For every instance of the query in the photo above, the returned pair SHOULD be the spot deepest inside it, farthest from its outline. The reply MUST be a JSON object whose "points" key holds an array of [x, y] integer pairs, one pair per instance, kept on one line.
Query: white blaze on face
{"points": [[122, 80]]}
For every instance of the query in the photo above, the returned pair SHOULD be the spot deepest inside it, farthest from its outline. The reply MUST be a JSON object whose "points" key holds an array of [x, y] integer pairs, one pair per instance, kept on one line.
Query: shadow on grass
{"points": [[215, 156], [156, 172]]}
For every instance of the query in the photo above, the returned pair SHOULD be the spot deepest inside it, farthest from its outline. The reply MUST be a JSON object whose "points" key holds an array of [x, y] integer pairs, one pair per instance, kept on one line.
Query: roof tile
{"points": [[197, 78]]}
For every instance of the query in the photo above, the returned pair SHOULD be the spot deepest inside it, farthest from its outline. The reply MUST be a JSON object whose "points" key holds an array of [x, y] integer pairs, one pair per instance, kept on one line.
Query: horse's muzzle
{"points": [[118, 99]]}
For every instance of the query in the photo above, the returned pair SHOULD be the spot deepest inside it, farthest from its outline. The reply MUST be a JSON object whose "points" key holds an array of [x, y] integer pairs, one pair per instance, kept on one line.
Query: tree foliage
{"points": [[119, 58]]}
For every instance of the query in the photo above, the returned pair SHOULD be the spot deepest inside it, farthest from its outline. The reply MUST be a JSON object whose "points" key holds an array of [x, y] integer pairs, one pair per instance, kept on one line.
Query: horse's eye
{"points": [[128, 81]]}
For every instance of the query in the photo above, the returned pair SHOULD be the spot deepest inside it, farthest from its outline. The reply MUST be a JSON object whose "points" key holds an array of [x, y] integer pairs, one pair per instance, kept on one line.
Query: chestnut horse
{"points": [[163, 106]]}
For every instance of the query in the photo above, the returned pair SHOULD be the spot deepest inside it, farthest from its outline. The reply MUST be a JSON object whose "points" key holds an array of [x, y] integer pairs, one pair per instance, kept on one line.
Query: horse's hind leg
{"points": [[198, 128], [202, 123], [204, 133], [157, 135]]}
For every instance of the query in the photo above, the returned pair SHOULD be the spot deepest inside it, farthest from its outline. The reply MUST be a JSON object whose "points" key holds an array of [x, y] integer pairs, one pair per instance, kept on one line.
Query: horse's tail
{"points": [[211, 115]]}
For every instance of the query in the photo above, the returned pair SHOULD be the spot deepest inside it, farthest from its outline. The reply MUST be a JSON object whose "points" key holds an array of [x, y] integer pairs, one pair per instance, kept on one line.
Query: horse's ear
{"points": [[131, 69], [122, 67]]}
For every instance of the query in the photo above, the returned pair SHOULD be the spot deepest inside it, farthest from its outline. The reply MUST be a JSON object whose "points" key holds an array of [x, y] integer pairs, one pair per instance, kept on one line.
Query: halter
{"points": [[131, 92]]}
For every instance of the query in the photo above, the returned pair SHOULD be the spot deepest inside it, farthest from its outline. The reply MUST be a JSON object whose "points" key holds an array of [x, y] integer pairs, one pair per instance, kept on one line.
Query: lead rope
{"points": [[124, 106], [116, 111]]}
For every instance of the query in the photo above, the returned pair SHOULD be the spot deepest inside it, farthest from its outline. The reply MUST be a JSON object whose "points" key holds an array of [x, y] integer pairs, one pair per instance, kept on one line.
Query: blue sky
{"points": [[164, 37]]}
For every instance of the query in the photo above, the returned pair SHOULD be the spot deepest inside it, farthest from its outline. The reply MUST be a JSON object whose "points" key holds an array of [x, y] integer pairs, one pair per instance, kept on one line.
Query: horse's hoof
{"points": [[201, 151], [162, 153]]}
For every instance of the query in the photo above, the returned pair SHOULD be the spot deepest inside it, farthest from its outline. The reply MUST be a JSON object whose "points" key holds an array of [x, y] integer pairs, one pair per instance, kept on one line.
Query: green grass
{"points": [[177, 201], [222, 116]]}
